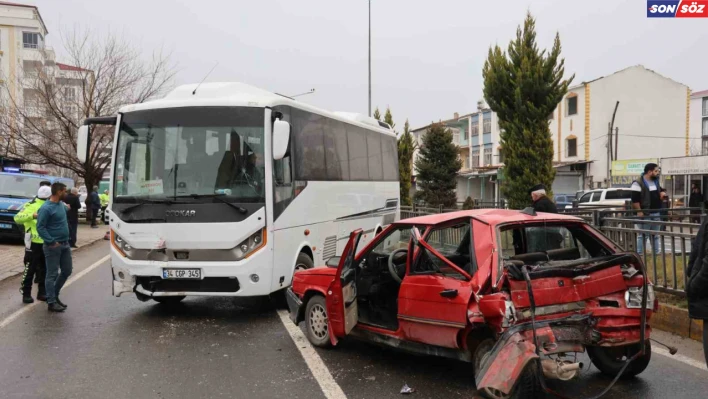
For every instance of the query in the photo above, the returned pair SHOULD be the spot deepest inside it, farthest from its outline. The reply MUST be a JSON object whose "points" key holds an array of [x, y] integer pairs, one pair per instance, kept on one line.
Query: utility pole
{"points": [[609, 154], [369, 57], [617, 132]]}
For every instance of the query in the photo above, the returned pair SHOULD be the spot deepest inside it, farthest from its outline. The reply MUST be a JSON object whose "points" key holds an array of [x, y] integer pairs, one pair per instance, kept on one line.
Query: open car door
{"points": [[341, 297]]}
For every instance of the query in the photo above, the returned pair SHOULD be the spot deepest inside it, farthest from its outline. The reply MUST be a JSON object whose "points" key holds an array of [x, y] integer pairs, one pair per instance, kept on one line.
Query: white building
{"points": [[23, 55], [477, 137], [652, 120], [699, 122]]}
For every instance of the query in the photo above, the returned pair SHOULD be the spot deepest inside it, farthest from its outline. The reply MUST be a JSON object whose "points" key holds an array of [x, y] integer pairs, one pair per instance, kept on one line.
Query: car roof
{"points": [[490, 216]]}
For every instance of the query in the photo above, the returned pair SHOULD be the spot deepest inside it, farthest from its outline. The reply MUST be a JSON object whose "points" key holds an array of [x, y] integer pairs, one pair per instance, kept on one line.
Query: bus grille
{"points": [[208, 284]]}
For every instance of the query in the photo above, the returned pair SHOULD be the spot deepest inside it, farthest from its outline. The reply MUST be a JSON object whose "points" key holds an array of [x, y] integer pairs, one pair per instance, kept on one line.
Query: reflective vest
{"points": [[26, 218]]}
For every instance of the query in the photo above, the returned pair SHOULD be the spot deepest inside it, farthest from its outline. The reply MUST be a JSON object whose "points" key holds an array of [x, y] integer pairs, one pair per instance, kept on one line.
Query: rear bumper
{"points": [[294, 305]]}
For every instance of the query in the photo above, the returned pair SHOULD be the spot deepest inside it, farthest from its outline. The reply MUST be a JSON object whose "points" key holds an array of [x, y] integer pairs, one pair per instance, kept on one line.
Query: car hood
{"points": [[12, 204]]}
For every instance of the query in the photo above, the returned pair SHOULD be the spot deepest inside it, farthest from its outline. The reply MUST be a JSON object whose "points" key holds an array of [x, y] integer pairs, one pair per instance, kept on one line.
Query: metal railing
{"points": [[663, 240]]}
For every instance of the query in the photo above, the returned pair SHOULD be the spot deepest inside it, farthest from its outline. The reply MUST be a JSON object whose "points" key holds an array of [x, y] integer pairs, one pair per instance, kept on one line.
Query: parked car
{"points": [[611, 198], [455, 285], [563, 200]]}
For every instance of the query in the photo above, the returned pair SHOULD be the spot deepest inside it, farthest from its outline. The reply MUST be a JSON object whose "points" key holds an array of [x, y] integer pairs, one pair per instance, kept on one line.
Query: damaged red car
{"points": [[515, 293]]}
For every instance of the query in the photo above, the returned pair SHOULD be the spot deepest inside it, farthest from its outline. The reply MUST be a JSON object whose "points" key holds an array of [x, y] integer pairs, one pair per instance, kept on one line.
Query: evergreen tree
{"points": [[406, 146], [377, 114], [437, 167], [523, 86], [388, 118]]}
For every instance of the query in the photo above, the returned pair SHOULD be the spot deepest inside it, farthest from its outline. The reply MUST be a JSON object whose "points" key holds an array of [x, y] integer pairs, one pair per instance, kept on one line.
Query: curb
{"points": [[16, 272], [675, 320]]}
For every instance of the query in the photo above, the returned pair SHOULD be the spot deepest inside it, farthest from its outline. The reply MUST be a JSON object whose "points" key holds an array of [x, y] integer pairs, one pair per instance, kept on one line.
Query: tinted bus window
{"points": [[390, 159], [358, 159], [308, 142], [336, 152], [373, 141]]}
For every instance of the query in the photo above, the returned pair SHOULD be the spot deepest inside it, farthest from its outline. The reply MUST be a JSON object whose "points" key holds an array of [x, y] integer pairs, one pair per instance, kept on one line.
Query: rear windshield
{"points": [[559, 241]]}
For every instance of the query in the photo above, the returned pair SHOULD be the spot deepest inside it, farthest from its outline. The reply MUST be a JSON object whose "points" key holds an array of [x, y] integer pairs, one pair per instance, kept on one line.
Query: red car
{"points": [[456, 285]]}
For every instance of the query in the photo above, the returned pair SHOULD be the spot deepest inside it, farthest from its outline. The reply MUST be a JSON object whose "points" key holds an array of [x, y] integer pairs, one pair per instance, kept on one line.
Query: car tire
{"points": [[527, 387], [304, 262], [611, 360], [317, 322], [168, 300]]}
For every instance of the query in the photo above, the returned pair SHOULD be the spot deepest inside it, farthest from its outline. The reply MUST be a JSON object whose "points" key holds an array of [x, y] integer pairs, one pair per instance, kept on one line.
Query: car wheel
{"points": [[527, 387], [168, 300], [611, 360], [304, 262], [317, 323]]}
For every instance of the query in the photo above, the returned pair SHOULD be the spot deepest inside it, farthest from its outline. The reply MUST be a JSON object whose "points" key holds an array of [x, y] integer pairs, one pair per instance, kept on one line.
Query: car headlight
{"points": [[251, 244], [120, 245], [633, 297]]}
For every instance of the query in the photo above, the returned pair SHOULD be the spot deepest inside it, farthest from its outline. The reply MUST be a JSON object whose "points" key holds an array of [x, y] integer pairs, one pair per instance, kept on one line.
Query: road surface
{"points": [[235, 348]]}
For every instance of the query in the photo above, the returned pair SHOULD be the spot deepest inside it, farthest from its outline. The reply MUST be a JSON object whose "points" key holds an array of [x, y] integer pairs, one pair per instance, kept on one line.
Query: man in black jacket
{"points": [[541, 202], [697, 287], [72, 199]]}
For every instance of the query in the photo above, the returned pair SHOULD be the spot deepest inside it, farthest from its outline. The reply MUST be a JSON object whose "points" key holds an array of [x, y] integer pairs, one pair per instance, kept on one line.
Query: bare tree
{"points": [[101, 74]]}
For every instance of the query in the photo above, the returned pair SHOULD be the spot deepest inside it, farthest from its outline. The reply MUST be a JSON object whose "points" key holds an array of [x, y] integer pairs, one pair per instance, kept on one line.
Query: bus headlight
{"points": [[250, 245], [120, 245], [633, 297]]}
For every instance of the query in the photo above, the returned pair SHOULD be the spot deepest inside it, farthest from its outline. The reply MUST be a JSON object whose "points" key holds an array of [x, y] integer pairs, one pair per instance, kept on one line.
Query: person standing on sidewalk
{"points": [[72, 199], [647, 197], [104, 204], [695, 201], [93, 201], [53, 227], [697, 285], [34, 256], [541, 202]]}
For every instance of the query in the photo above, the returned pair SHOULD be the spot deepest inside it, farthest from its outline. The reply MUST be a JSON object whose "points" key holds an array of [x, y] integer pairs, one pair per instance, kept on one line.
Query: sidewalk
{"points": [[12, 253]]}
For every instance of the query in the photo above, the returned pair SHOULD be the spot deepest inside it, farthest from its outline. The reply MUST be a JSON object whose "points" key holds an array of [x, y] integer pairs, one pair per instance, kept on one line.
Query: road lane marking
{"points": [[9, 319], [680, 358], [319, 370]]}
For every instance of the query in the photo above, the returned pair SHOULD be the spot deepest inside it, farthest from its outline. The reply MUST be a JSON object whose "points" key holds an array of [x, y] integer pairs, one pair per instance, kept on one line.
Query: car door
{"points": [[432, 304], [341, 297]]}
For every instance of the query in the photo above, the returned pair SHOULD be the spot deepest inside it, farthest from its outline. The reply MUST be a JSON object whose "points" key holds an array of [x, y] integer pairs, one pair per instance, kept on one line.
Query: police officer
{"points": [[104, 204], [34, 255]]}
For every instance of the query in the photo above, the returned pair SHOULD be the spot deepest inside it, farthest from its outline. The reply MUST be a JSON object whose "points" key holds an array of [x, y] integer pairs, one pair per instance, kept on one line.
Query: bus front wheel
{"points": [[304, 262]]}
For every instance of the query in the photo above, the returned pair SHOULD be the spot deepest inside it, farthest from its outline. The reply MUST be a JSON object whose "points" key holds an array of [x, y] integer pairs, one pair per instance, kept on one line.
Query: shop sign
{"points": [[684, 166]]}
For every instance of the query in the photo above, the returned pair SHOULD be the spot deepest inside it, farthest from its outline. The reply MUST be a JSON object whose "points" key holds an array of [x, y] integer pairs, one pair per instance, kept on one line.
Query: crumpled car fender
{"points": [[506, 361]]}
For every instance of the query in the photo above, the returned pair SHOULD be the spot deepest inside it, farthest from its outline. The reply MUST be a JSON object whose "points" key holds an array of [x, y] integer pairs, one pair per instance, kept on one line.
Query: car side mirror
{"points": [[281, 139], [82, 141], [333, 261]]}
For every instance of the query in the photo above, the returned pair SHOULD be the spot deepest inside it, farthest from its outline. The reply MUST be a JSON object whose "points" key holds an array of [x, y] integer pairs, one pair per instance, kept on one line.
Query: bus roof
{"points": [[242, 95]]}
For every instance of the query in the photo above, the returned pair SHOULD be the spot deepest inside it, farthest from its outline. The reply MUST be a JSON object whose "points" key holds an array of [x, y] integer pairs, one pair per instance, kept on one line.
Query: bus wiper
{"points": [[146, 201], [218, 197]]}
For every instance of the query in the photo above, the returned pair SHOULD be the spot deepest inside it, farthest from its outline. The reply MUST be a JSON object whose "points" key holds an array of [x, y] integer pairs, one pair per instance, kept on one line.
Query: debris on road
{"points": [[406, 390]]}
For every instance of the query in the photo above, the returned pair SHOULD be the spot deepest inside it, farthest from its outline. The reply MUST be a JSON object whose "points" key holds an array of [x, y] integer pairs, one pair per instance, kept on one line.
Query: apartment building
{"points": [[698, 121]]}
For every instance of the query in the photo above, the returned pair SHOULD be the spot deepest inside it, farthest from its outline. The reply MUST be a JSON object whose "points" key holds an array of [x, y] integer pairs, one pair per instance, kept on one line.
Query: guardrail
{"points": [[663, 240]]}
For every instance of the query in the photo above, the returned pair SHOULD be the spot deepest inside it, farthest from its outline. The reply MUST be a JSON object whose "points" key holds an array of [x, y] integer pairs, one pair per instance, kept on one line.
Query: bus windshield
{"points": [[19, 186], [196, 152]]}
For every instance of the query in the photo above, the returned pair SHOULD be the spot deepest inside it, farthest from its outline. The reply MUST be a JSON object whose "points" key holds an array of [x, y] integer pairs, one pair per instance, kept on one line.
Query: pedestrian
{"points": [[541, 202], [695, 201], [647, 198], [104, 204], [34, 256], [53, 228], [72, 199], [93, 203], [697, 285]]}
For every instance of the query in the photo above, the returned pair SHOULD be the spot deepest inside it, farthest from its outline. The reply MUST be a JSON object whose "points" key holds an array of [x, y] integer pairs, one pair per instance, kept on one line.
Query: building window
{"points": [[487, 156], [456, 137], [572, 105], [705, 127], [70, 93], [31, 40], [487, 126], [705, 106], [475, 128], [705, 146], [501, 155], [475, 158], [572, 147]]}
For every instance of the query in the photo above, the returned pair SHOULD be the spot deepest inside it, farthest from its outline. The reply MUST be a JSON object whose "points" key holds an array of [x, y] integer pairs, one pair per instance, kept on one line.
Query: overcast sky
{"points": [[427, 56]]}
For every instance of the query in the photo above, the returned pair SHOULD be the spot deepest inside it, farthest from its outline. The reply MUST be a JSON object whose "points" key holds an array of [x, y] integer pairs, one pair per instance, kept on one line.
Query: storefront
{"points": [[627, 171], [680, 174]]}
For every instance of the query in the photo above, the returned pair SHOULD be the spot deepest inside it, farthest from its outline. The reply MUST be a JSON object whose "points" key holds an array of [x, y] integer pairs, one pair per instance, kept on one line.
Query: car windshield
{"points": [[191, 152], [17, 185]]}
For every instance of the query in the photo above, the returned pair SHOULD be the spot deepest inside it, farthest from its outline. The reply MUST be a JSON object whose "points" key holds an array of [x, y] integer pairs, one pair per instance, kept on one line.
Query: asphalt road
{"points": [[214, 347]]}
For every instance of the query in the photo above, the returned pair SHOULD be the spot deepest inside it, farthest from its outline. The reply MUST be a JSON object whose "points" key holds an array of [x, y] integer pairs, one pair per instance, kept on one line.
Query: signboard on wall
{"points": [[684, 166], [626, 171]]}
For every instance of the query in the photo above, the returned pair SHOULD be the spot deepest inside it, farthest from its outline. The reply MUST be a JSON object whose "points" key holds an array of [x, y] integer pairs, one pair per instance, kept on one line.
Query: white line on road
{"points": [[9, 319], [680, 358], [319, 370]]}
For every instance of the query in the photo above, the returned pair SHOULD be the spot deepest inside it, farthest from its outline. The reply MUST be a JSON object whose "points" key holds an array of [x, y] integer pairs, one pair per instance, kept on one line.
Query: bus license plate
{"points": [[191, 274], [5, 226]]}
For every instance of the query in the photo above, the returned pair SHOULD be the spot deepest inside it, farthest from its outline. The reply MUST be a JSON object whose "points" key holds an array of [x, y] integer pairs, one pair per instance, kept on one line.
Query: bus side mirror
{"points": [[281, 139], [82, 140]]}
